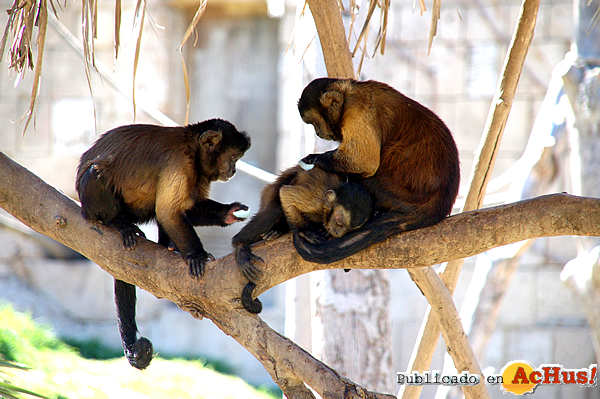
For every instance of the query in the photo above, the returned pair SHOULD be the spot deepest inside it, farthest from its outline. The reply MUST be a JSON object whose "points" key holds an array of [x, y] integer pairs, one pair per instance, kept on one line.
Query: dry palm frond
{"points": [[140, 14], [435, 16], [89, 16], [24, 15], [361, 41], [186, 36], [117, 28], [362, 57], [353, 9], [363, 33], [382, 34], [422, 6], [384, 6]]}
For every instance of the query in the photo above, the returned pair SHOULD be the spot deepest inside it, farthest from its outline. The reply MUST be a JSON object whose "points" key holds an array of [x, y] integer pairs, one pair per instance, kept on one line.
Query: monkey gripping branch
{"points": [[217, 295]]}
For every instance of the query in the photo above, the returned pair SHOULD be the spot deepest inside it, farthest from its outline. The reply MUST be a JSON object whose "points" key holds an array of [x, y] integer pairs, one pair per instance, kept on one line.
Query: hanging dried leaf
{"points": [[353, 13], [12, 15], [140, 14], [435, 16], [186, 36], [193, 24], [187, 89], [117, 28], [382, 35], [362, 57], [365, 27], [88, 31], [23, 17], [42, 23], [422, 6]]}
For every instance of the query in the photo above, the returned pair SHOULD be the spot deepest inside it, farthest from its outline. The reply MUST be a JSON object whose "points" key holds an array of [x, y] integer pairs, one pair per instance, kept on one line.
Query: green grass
{"points": [[59, 370]]}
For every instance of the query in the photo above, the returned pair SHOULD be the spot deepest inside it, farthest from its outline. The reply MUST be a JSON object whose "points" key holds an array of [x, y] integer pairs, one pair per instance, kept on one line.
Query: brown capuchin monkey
{"points": [[299, 201], [402, 153], [138, 173]]}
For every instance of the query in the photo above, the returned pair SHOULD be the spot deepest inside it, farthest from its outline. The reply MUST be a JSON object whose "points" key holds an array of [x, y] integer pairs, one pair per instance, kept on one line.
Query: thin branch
{"points": [[499, 111]]}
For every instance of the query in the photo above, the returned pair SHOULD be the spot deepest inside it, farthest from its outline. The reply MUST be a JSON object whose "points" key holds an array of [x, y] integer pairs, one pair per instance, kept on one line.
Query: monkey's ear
{"points": [[330, 198], [332, 101], [332, 98], [210, 139]]}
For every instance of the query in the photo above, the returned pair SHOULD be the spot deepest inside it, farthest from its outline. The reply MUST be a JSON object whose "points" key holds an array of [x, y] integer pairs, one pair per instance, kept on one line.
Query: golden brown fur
{"points": [[401, 152], [303, 200], [299, 200], [137, 173]]}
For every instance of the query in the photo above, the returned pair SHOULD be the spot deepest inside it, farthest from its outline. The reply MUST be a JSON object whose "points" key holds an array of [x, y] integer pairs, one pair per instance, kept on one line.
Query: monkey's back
{"points": [[419, 160], [135, 158]]}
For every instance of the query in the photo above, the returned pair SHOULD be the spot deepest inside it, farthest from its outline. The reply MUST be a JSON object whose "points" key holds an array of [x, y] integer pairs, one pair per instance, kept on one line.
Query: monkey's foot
{"points": [[247, 262], [129, 236], [196, 263]]}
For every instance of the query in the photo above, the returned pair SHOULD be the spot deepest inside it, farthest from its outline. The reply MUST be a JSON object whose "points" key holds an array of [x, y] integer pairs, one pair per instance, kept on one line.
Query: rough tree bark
{"points": [[216, 296], [356, 303]]}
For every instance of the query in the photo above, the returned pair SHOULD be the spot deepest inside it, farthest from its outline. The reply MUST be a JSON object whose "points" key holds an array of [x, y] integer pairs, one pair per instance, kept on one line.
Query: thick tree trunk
{"points": [[352, 326]]}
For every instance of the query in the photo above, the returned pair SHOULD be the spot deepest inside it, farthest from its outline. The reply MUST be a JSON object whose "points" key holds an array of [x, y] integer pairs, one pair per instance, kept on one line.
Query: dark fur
{"points": [[138, 173], [402, 153], [296, 202]]}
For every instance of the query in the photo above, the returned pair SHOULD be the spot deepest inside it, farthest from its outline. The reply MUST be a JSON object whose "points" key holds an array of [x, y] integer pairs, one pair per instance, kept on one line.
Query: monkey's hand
{"points": [[237, 213], [196, 262], [248, 262], [312, 237], [271, 235], [324, 161]]}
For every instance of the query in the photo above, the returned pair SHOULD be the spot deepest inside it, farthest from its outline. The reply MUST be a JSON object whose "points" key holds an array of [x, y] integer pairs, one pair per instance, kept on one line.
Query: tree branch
{"points": [[217, 295]]}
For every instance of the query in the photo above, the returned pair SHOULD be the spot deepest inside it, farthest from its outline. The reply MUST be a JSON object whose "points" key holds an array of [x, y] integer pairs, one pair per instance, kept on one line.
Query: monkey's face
{"points": [[226, 163], [339, 221], [313, 117]]}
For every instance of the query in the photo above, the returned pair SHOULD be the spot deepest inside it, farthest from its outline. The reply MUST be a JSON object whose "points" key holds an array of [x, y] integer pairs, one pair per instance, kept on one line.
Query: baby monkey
{"points": [[309, 202]]}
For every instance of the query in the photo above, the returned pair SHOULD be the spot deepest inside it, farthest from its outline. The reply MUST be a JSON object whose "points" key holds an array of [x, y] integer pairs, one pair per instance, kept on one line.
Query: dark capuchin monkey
{"points": [[138, 173], [403, 154], [299, 201]]}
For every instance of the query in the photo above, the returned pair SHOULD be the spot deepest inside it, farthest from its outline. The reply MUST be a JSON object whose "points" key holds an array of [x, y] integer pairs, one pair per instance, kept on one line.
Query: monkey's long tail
{"points": [[378, 229], [139, 352], [251, 305]]}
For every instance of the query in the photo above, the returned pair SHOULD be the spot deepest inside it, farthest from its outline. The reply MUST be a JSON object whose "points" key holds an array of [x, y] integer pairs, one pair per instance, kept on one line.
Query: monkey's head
{"points": [[221, 145], [322, 105], [350, 206]]}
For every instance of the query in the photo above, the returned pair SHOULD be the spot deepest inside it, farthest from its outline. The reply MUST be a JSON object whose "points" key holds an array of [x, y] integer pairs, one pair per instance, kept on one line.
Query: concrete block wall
{"points": [[64, 125], [540, 321]]}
